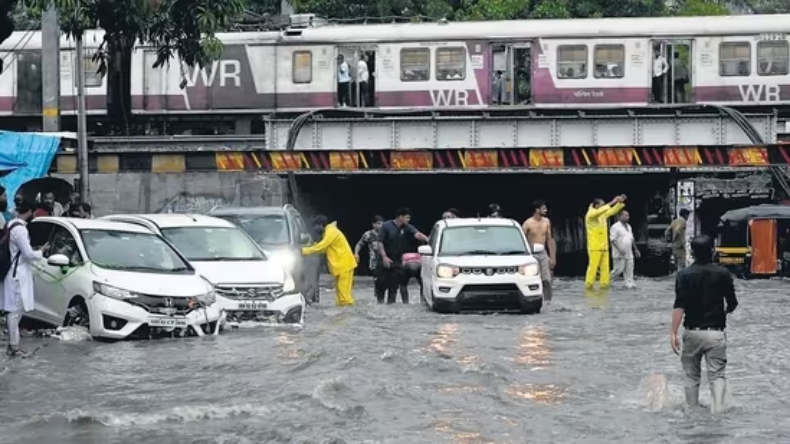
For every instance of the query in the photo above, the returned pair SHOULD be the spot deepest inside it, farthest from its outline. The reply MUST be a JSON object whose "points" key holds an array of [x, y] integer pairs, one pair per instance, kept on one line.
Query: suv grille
{"points": [[164, 304], [262, 292], [489, 271]]}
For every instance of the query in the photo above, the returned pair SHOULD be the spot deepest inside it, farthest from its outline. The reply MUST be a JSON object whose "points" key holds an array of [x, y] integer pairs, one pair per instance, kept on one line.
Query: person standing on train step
{"points": [[680, 77], [660, 68], [343, 81], [363, 75], [675, 234]]}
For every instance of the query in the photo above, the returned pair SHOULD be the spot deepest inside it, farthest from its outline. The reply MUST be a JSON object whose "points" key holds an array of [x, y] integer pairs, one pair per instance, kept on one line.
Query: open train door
{"points": [[674, 87], [359, 93], [762, 234]]}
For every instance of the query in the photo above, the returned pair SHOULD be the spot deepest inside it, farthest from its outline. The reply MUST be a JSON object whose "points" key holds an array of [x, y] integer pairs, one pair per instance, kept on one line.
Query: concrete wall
{"points": [[147, 192]]}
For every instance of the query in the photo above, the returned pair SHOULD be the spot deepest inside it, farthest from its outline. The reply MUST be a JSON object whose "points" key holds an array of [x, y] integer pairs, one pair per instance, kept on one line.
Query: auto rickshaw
{"points": [[754, 242]]}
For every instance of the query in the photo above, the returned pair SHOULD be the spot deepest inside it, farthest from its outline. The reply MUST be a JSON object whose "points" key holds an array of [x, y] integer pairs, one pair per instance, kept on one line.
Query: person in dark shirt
{"points": [[704, 296], [391, 245]]}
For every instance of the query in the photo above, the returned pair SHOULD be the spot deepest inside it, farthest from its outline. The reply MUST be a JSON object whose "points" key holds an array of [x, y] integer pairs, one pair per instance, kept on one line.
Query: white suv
{"points": [[250, 287], [480, 265]]}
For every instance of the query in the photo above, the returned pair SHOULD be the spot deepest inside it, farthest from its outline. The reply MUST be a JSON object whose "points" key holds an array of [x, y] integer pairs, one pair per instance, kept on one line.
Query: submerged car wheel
{"points": [[77, 315]]}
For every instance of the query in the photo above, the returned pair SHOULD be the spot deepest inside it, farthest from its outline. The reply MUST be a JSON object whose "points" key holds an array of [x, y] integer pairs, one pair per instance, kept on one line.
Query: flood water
{"points": [[587, 370]]}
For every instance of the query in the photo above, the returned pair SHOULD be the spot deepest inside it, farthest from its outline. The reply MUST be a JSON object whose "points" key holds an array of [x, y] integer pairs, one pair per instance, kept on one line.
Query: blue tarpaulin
{"points": [[25, 156]]}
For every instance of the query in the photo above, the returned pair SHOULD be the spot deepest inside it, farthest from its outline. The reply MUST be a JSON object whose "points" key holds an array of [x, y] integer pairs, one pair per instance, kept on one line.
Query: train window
{"points": [[772, 58], [609, 61], [302, 67], [415, 64], [572, 61], [451, 63], [735, 59], [90, 69]]}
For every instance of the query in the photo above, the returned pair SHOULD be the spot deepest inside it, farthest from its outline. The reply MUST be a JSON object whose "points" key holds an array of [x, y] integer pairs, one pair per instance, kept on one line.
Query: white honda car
{"points": [[250, 287], [481, 265], [119, 281]]}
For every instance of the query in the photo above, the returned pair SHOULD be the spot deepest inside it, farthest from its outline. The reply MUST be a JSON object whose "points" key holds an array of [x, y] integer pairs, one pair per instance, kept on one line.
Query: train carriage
{"points": [[579, 63]]}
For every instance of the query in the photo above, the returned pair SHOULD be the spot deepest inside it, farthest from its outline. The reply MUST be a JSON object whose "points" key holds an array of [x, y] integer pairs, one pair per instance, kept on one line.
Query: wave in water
{"points": [[179, 414]]}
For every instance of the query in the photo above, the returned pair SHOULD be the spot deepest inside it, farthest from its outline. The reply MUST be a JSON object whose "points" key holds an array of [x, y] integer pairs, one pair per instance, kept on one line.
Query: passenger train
{"points": [[579, 63]]}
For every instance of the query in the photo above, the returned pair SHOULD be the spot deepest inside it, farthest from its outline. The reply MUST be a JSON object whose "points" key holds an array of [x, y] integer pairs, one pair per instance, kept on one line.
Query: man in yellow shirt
{"points": [[596, 222], [339, 257]]}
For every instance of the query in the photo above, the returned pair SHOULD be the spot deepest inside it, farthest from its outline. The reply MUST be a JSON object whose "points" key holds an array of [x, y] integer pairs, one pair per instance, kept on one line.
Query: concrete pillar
{"points": [[50, 67]]}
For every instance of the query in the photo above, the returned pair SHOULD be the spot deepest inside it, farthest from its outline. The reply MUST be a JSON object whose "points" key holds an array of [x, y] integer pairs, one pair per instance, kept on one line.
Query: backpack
{"points": [[5, 252]]}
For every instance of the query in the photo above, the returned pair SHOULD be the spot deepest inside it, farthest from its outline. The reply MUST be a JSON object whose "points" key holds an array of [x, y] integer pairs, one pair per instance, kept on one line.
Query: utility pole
{"points": [[82, 125], [50, 66]]}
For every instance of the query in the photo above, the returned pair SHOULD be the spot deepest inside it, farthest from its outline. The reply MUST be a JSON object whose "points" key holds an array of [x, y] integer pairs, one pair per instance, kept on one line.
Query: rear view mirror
{"points": [[425, 250], [58, 260], [538, 248]]}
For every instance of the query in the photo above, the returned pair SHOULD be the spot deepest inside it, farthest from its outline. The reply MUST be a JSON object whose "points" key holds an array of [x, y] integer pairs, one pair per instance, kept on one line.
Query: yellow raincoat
{"points": [[340, 259], [596, 221]]}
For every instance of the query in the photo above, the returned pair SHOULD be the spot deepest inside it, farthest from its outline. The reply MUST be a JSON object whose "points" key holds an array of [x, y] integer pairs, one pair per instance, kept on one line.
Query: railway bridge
{"points": [[352, 164]]}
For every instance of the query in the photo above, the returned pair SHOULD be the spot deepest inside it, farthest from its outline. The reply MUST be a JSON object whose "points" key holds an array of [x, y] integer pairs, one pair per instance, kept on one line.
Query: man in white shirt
{"points": [[363, 75], [660, 68], [343, 81], [623, 249]]}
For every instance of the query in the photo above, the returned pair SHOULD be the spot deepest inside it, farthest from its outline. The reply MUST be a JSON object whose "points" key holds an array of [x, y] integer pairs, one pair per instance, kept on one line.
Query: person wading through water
{"points": [[17, 295], [391, 247], [704, 296], [596, 221], [339, 257], [538, 231], [371, 239]]}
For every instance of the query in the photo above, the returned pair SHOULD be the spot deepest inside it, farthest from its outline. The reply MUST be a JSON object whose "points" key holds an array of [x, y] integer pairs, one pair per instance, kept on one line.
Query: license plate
{"points": [[167, 321], [730, 260], [253, 305]]}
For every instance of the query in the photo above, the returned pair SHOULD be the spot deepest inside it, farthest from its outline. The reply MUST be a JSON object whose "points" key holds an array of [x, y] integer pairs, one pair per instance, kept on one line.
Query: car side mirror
{"points": [[304, 238], [425, 250], [538, 248], [58, 260]]}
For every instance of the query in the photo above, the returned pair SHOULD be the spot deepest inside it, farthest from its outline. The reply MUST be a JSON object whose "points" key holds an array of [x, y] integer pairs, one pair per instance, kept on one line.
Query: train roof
{"points": [[664, 27], [757, 212]]}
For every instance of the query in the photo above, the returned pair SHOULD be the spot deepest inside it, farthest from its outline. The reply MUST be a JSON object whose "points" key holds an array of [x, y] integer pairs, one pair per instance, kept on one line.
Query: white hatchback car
{"points": [[119, 281], [481, 265], [250, 287]]}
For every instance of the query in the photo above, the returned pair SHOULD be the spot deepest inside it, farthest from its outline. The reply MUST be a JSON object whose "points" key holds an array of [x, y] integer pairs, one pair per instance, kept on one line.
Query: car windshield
{"points": [[213, 244], [125, 250], [270, 229], [482, 240]]}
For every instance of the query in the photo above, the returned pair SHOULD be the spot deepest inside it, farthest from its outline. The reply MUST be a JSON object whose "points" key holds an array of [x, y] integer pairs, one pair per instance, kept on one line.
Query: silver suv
{"points": [[281, 232]]}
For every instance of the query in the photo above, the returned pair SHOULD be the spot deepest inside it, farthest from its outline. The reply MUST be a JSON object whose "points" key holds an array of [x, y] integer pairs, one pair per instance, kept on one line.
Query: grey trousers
{"points": [[699, 344]]}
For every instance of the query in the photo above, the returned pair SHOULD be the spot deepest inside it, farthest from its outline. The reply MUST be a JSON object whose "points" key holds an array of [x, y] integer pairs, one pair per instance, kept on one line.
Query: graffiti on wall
{"points": [[186, 203]]}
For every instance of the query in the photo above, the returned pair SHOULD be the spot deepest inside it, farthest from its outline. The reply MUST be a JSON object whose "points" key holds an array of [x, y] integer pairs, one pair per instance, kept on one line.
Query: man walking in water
{"points": [[623, 249], [676, 235], [371, 240], [538, 231], [596, 222], [704, 296]]}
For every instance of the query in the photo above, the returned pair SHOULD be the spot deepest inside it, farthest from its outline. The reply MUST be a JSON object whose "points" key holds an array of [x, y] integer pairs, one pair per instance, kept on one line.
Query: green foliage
{"points": [[183, 27], [694, 8]]}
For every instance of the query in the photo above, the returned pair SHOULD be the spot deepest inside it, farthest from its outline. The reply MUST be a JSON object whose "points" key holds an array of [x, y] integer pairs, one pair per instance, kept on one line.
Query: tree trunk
{"points": [[119, 85]]}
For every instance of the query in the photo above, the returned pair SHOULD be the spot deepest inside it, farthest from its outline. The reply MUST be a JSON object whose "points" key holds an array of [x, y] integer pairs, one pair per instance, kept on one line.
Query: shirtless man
{"points": [[538, 231]]}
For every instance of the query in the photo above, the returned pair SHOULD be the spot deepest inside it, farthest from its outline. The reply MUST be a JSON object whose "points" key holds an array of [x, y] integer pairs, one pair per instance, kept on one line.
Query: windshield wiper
{"points": [[132, 268], [478, 253], [512, 252]]}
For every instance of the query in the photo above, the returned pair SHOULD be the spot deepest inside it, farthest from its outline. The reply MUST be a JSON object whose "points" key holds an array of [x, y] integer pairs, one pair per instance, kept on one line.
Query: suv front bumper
{"points": [[488, 294]]}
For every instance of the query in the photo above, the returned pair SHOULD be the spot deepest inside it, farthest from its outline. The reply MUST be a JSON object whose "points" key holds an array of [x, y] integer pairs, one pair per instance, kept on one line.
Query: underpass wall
{"points": [[196, 192]]}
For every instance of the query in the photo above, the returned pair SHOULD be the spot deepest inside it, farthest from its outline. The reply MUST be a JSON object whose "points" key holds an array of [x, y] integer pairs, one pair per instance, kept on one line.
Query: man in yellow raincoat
{"points": [[339, 258], [596, 221]]}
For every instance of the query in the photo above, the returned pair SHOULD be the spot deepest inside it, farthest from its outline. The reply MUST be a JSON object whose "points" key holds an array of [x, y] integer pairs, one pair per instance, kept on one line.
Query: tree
{"points": [[175, 27], [6, 19]]}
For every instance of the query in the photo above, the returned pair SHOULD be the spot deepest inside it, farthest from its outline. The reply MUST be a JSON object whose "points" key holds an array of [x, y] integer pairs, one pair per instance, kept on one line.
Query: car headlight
{"points": [[529, 270], [285, 259], [114, 292], [289, 286], [207, 298], [447, 271]]}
